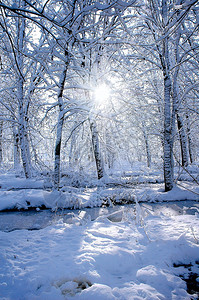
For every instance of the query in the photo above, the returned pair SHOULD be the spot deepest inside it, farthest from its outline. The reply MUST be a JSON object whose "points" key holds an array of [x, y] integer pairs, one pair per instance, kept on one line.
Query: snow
{"points": [[100, 259], [20, 193], [137, 251]]}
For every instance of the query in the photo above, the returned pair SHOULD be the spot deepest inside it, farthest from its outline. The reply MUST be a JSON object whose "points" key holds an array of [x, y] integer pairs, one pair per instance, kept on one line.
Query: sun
{"points": [[101, 94]]}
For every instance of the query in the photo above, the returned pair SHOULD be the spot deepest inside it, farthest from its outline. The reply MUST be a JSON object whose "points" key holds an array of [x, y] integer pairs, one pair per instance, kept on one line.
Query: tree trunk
{"points": [[168, 138], [58, 150], [180, 125], [177, 102], [168, 121], [189, 140], [148, 152], [183, 141], [96, 149], [23, 135], [16, 147], [22, 132], [73, 153], [60, 124], [109, 150]]}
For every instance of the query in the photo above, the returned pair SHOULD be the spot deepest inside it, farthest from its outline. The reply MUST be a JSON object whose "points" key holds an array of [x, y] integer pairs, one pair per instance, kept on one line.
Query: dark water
{"points": [[35, 220]]}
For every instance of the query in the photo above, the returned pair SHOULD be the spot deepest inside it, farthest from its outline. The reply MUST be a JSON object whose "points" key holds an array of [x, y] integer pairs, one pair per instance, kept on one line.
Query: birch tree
{"points": [[160, 21], [25, 76], [15, 46], [22, 106]]}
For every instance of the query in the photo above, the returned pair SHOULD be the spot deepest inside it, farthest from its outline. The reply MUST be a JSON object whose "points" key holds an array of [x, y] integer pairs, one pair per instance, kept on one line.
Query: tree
{"points": [[25, 76], [160, 22]]}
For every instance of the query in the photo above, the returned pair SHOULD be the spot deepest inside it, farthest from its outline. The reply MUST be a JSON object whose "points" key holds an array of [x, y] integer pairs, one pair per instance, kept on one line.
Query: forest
{"points": [[99, 150], [89, 87]]}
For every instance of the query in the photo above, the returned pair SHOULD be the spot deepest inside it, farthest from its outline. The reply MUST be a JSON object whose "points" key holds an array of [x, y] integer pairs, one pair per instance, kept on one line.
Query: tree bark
{"points": [[60, 124], [168, 120], [96, 149], [180, 125], [177, 102], [16, 146], [189, 140], [109, 155], [148, 152], [168, 138], [23, 134], [183, 141]]}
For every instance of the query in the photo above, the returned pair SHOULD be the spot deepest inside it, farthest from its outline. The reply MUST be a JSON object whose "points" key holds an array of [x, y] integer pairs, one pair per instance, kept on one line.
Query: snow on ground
{"points": [[20, 193], [133, 253], [103, 259]]}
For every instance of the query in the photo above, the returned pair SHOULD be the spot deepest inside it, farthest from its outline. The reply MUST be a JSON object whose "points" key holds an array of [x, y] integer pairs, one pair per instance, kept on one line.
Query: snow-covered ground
{"points": [[135, 252], [128, 256], [21, 193]]}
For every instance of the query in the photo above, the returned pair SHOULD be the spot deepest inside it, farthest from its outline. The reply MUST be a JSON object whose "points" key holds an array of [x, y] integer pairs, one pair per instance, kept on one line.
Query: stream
{"points": [[35, 220]]}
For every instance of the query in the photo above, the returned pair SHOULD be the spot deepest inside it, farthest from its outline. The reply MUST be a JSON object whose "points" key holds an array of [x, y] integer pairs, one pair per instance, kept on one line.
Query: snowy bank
{"points": [[96, 197], [100, 196], [20, 193]]}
